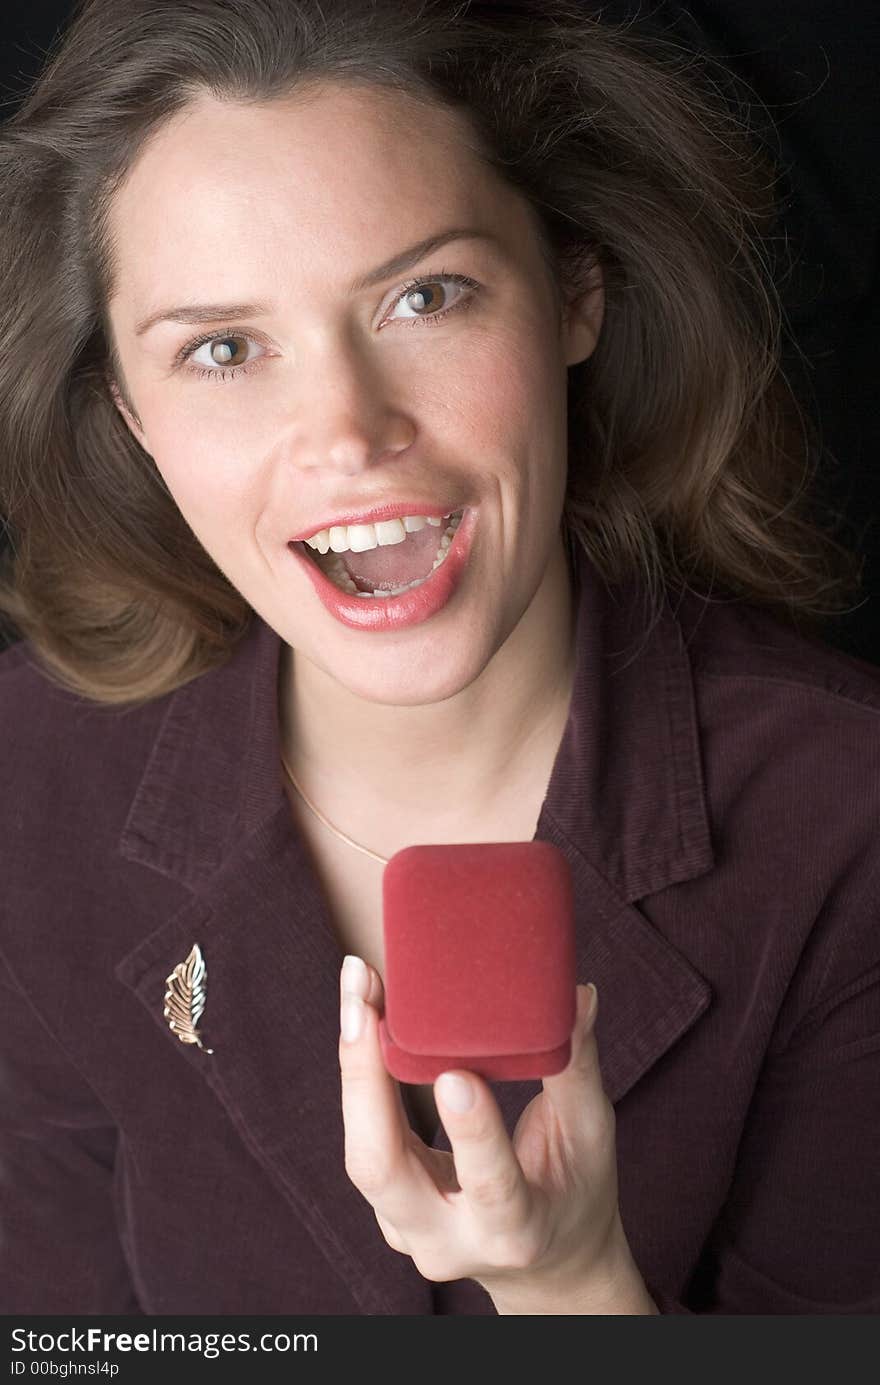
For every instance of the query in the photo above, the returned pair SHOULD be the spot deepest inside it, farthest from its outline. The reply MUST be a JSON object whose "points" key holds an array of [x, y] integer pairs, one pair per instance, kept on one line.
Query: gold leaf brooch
{"points": [[185, 998]]}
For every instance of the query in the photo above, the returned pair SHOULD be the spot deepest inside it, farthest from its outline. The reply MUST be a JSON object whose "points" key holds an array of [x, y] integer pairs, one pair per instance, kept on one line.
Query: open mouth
{"points": [[388, 569]]}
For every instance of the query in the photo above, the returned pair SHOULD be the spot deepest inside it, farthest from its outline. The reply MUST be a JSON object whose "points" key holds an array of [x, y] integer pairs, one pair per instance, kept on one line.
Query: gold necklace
{"points": [[320, 816]]}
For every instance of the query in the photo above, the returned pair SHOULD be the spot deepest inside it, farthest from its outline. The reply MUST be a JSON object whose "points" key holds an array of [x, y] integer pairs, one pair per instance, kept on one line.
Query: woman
{"points": [[233, 729]]}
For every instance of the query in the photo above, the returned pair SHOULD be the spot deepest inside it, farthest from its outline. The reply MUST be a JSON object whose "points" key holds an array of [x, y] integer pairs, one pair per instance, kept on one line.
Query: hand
{"points": [[535, 1221]]}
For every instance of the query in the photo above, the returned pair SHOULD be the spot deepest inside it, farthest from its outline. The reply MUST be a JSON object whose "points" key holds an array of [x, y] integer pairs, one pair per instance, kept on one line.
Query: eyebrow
{"points": [[213, 312]]}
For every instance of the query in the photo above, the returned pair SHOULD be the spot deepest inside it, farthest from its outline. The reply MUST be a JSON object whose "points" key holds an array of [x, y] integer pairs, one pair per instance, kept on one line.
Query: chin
{"points": [[388, 677]]}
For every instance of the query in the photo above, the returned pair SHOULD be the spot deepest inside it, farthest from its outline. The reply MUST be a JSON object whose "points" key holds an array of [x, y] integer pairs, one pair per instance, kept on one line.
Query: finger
{"points": [[352, 974], [577, 1094], [376, 993], [363, 1080], [489, 1173], [378, 1155]]}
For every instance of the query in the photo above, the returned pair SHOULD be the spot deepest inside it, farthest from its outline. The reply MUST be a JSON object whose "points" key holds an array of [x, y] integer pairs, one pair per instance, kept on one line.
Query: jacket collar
{"points": [[625, 804]]}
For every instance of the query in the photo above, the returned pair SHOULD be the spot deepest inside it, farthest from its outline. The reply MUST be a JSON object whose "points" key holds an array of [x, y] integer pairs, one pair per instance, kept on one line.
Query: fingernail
{"points": [[355, 977], [352, 1018], [455, 1092], [594, 1002]]}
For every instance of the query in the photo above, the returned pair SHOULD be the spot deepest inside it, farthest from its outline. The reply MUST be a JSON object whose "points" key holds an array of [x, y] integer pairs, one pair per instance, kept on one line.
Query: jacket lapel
{"points": [[271, 1018], [625, 805]]}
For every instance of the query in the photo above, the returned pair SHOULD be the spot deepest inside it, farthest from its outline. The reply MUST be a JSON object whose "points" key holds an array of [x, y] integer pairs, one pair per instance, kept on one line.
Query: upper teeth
{"points": [[357, 538]]}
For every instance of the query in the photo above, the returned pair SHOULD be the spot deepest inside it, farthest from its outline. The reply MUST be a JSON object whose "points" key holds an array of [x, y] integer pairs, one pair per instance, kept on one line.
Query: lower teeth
{"points": [[334, 568]]}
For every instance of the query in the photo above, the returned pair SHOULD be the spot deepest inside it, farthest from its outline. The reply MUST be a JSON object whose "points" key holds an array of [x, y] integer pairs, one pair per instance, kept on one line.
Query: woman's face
{"points": [[321, 397]]}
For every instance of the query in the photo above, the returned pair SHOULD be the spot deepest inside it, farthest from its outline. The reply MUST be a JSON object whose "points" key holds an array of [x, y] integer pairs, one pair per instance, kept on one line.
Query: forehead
{"points": [[328, 181]]}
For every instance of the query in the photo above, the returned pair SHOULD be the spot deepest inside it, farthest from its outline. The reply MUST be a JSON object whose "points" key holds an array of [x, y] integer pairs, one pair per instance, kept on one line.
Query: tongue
{"points": [[395, 564]]}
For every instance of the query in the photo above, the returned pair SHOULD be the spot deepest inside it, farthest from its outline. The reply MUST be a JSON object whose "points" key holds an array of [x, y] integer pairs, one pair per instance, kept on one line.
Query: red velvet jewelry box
{"points": [[479, 960]]}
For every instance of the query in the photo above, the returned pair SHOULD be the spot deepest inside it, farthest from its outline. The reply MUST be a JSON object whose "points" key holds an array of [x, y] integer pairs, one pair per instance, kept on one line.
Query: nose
{"points": [[348, 415]]}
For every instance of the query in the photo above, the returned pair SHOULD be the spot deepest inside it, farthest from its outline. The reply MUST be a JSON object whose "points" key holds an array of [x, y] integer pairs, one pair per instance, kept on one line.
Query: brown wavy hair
{"points": [[689, 462]]}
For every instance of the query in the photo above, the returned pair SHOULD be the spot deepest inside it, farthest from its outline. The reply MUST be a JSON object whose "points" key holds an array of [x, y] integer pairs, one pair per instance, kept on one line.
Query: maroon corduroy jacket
{"points": [[717, 795]]}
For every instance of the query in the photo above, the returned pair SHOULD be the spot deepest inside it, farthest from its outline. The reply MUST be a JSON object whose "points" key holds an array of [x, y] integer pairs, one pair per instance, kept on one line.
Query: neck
{"points": [[475, 748]]}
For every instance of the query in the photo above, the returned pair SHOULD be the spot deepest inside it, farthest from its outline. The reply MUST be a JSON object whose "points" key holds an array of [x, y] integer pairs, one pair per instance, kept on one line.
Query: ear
{"points": [[582, 316], [131, 422]]}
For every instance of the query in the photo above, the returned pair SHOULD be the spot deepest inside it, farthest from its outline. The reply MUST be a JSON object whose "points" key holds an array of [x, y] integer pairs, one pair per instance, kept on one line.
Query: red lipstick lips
{"points": [[378, 614]]}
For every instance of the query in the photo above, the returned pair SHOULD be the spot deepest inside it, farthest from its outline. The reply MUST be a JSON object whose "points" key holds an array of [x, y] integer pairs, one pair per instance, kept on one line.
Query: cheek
{"points": [[208, 483], [506, 388]]}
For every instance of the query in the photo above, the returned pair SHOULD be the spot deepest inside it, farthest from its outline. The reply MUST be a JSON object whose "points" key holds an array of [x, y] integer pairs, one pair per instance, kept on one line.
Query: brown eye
{"points": [[428, 297], [221, 351], [224, 356], [431, 298]]}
